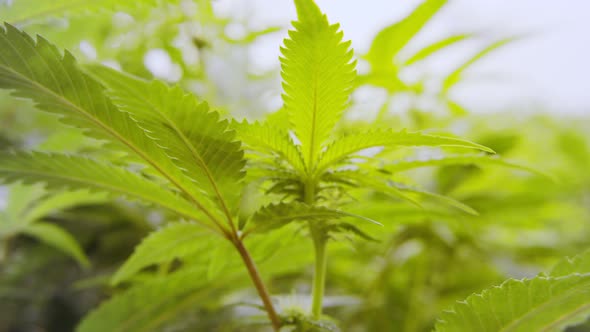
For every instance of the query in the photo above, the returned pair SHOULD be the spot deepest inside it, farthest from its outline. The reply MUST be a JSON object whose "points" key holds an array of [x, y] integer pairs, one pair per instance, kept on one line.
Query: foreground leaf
{"points": [[191, 135], [37, 71], [60, 171], [538, 304]]}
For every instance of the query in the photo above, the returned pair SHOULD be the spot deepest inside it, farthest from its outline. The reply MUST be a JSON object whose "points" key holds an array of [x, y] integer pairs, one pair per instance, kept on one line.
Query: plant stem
{"points": [[262, 291], [319, 243], [319, 278]]}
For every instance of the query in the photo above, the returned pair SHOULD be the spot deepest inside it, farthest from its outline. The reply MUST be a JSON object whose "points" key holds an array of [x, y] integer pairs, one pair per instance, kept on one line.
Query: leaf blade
{"points": [[317, 71]]}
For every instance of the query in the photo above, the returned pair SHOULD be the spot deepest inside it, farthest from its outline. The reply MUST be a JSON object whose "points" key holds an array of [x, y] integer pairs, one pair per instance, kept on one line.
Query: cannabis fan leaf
{"points": [[318, 71], [550, 302], [191, 135]]}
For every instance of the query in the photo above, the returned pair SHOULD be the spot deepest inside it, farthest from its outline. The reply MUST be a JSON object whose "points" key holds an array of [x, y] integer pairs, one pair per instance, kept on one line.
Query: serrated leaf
{"points": [[577, 264], [37, 71], [317, 71], [192, 136], [277, 215], [176, 240], [60, 171], [58, 238], [347, 145], [538, 304], [263, 137]]}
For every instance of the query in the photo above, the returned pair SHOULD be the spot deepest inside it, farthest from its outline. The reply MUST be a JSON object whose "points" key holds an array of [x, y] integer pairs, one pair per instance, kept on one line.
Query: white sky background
{"points": [[548, 70]]}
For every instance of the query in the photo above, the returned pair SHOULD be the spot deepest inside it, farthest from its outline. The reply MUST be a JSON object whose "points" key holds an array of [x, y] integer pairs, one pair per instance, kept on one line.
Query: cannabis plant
{"points": [[235, 190]]}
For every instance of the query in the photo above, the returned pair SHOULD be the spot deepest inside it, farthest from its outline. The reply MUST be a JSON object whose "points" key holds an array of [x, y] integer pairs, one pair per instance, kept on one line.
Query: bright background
{"points": [[546, 70]]}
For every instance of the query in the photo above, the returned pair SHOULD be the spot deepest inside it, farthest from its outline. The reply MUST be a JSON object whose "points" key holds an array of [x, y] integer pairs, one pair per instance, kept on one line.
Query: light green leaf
{"points": [[435, 47], [191, 135], [177, 240], [577, 264], [389, 41], [345, 146], [58, 238], [538, 304], [60, 171], [317, 71], [263, 137], [37, 71], [455, 76]]}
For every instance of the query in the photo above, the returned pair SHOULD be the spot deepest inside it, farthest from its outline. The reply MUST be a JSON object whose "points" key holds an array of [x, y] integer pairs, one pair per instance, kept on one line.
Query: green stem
{"points": [[319, 278], [321, 259]]}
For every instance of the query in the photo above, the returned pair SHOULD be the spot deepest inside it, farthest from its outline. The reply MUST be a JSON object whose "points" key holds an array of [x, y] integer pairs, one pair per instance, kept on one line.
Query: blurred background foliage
{"points": [[421, 261]]}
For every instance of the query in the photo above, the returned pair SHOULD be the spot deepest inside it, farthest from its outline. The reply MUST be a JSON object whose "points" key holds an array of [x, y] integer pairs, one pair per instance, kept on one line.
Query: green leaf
{"points": [[538, 304], [61, 171], [278, 215], [191, 135], [146, 307], [435, 47], [263, 137], [455, 76], [389, 41], [37, 71], [317, 71], [345, 146], [58, 238], [176, 240], [577, 264]]}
